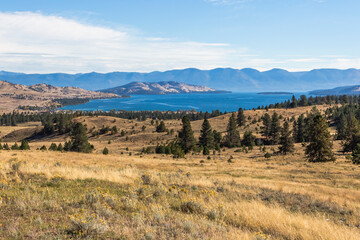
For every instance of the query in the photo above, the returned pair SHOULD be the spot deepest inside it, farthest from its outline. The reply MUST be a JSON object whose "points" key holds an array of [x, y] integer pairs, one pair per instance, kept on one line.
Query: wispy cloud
{"points": [[36, 42]]}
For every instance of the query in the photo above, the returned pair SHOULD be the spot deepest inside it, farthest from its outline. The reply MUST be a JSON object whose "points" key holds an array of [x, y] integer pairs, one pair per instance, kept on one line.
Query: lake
{"points": [[200, 102]]}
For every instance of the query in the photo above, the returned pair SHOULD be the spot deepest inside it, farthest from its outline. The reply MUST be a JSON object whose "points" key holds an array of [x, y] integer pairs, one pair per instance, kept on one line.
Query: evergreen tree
{"points": [[15, 147], [79, 139], [241, 120], [266, 120], [356, 155], [60, 147], [232, 137], [303, 101], [43, 148], [286, 140], [1, 147], [186, 135], [53, 147], [320, 147], [352, 133], [161, 127], [341, 126], [24, 145], [248, 140], [206, 139], [275, 129], [105, 151], [293, 102], [6, 146], [300, 129]]}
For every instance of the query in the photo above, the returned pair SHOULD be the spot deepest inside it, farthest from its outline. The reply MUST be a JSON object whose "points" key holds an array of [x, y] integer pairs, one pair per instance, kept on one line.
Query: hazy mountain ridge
{"points": [[244, 80], [346, 90], [159, 88], [45, 92]]}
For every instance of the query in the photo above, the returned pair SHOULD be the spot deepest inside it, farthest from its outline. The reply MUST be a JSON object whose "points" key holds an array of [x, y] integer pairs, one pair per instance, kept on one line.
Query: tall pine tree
{"points": [[206, 139], [241, 120], [320, 147], [79, 139], [275, 129], [286, 140], [232, 137], [186, 135], [266, 120]]}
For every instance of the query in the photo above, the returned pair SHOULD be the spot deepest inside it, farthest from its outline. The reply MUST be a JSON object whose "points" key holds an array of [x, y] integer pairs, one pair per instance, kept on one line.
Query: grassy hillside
{"points": [[130, 195]]}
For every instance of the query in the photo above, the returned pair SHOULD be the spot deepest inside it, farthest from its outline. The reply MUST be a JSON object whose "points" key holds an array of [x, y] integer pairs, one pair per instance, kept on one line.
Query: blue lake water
{"points": [[200, 102]]}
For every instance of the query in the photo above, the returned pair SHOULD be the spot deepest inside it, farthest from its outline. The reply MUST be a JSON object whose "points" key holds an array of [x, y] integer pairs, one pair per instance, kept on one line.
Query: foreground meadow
{"points": [[229, 194], [52, 195]]}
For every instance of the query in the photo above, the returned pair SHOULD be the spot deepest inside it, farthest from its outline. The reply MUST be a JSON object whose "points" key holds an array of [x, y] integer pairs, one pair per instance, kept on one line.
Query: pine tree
{"points": [[79, 139], [6, 146], [105, 151], [320, 147], [248, 140], [293, 102], [352, 133], [286, 140], [60, 147], [1, 147], [356, 155], [300, 129], [206, 139], [15, 147], [161, 127], [266, 125], [53, 147], [275, 129], [232, 137], [186, 135], [241, 120], [24, 145]]}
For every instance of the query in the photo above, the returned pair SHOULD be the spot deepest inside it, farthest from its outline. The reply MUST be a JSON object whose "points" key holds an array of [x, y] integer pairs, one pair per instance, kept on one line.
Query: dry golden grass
{"points": [[284, 197]]}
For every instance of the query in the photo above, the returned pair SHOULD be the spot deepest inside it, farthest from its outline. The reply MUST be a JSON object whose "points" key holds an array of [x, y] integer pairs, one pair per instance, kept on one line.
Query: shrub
{"points": [[105, 151], [191, 207], [267, 155]]}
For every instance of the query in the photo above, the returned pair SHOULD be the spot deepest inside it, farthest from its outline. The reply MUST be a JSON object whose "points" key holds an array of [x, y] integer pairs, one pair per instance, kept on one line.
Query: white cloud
{"points": [[33, 42]]}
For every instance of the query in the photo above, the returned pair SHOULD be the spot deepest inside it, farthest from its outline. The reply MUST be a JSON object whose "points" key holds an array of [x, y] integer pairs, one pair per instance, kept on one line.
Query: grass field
{"points": [[129, 195]]}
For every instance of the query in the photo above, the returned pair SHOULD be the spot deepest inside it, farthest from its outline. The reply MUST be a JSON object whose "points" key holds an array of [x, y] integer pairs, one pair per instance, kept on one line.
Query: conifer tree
{"points": [[60, 147], [206, 139], [300, 129], [15, 147], [275, 129], [266, 125], [79, 139], [105, 151], [161, 127], [186, 135], [248, 140], [241, 120], [320, 147], [356, 155], [53, 147], [1, 147], [6, 146], [352, 133], [293, 102], [24, 145], [286, 140], [232, 137]]}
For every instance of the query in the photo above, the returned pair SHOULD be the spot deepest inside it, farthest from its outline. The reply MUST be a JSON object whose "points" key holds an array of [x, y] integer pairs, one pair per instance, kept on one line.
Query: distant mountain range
{"points": [[159, 88], [347, 90], [244, 80]]}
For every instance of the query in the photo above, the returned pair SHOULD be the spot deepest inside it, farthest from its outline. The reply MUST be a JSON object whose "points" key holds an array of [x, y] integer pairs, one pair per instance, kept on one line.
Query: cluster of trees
{"points": [[347, 122], [23, 146], [304, 101]]}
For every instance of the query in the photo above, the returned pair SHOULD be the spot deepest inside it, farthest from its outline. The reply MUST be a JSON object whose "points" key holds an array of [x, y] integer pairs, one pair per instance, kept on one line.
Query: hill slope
{"points": [[244, 80], [348, 90], [159, 88]]}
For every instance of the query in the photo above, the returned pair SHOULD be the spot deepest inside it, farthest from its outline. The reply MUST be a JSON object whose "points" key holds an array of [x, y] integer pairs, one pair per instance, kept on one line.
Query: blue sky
{"points": [[147, 35]]}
